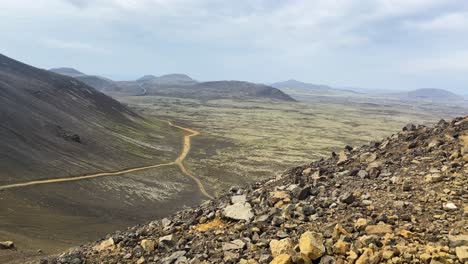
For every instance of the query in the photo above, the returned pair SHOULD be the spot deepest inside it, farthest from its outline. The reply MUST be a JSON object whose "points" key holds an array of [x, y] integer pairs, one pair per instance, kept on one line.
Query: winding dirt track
{"points": [[179, 162]]}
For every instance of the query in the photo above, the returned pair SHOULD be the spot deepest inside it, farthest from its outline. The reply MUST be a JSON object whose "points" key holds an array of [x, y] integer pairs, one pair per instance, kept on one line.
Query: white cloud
{"points": [[450, 61], [72, 46], [451, 21], [352, 36]]}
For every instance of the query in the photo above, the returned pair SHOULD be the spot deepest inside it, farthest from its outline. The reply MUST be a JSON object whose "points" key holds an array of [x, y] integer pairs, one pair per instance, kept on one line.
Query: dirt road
{"points": [[179, 162]]}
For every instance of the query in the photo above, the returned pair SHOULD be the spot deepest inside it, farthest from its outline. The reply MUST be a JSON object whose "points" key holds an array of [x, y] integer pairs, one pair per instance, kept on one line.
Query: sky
{"points": [[374, 44]]}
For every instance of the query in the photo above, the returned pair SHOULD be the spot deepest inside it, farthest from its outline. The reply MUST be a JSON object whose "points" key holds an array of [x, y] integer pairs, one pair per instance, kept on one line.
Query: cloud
{"points": [[448, 61], [451, 21], [78, 3], [72, 46], [330, 39]]}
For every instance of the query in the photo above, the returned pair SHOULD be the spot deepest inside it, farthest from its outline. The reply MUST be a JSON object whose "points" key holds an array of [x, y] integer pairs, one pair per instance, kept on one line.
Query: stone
{"points": [[462, 254], [238, 199], [174, 256], [434, 143], [301, 259], [369, 257], [409, 127], [343, 157], [167, 241], [141, 260], [450, 206], [363, 174], [239, 211], [370, 239], [425, 258], [282, 259], [279, 196], [165, 222], [7, 245], [104, 245], [311, 245], [458, 241], [347, 198], [231, 257], [248, 261], [352, 256], [360, 224], [374, 169], [338, 231], [147, 245], [387, 254], [378, 229], [367, 157], [433, 178], [233, 245], [304, 193], [283, 246], [264, 258], [341, 247], [406, 186]]}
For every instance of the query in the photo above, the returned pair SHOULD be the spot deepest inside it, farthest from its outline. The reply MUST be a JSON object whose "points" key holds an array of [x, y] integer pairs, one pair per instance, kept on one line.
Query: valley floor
{"points": [[239, 142]]}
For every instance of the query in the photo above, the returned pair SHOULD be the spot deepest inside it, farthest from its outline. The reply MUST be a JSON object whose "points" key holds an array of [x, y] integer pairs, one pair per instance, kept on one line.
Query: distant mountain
{"points": [[147, 78], [183, 86], [67, 71], [179, 85], [168, 79], [176, 78], [298, 86], [429, 94], [53, 125], [301, 85], [238, 90], [97, 82]]}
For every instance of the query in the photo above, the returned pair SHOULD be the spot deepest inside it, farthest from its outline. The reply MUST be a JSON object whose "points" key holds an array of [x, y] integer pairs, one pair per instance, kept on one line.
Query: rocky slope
{"points": [[97, 82], [400, 200], [53, 125]]}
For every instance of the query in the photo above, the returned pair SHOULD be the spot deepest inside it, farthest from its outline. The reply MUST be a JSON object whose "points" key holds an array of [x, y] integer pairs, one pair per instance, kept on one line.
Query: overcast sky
{"points": [[381, 44]]}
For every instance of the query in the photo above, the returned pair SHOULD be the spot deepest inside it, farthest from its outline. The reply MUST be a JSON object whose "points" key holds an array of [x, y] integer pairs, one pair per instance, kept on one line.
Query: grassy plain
{"points": [[243, 141]]}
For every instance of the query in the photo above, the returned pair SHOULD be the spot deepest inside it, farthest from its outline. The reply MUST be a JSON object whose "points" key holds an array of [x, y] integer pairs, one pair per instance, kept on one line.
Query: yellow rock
{"points": [[379, 229], [248, 261], [387, 254], [341, 247], [141, 260], [464, 145], [425, 258], [106, 244], [279, 196], [282, 259], [343, 157], [352, 256], [307, 172], [311, 245], [360, 224], [147, 245], [215, 223], [338, 231], [462, 254], [405, 233], [369, 257], [279, 247]]}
